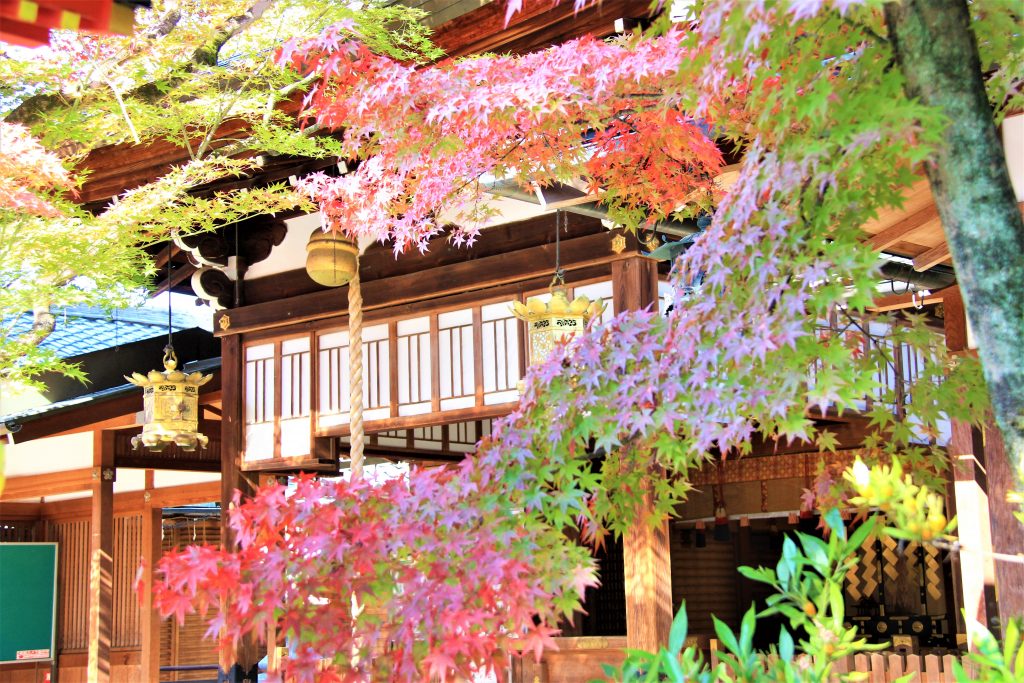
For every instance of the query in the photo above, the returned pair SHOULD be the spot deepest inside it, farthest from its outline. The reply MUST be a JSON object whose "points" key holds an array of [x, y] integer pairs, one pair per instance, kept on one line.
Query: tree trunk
{"points": [[938, 55]]}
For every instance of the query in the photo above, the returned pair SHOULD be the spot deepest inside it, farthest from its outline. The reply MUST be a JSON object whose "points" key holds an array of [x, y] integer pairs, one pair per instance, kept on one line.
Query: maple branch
{"points": [[959, 548], [243, 145], [281, 93], [124, 112], [43, 325], [35, 109], [861, 26], [506, 154], [877, 341], [207, 54]]}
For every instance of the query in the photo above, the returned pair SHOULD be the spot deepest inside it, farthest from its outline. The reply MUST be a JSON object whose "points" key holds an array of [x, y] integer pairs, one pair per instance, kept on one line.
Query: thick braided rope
{"points": [[355, 360]]}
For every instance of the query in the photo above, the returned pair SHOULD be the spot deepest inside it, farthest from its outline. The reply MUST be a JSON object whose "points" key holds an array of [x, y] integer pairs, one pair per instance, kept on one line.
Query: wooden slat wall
{"points": [[707, 579], [184, 644], [127, 552], [72, 539], [18, 531]]}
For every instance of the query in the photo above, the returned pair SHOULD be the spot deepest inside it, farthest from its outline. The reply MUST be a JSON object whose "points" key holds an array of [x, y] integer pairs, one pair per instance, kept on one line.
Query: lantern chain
{"points": [[169, 349]]}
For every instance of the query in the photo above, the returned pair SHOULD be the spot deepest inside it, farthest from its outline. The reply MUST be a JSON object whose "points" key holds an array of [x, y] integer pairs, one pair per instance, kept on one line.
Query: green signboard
{"points": [[28, 601]]}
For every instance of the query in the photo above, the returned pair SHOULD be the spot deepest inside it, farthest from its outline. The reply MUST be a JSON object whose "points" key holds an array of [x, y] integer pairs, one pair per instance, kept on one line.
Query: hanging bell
{"points": [[331, 259]]}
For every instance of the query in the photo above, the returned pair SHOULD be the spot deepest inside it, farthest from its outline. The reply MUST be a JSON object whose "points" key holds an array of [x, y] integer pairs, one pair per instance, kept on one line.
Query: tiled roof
{"points": [[82, 330]]}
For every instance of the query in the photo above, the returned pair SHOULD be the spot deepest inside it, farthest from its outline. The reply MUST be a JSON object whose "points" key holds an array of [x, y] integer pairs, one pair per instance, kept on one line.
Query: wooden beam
{"points": [[484, 29], [973, 570], [426, 419], [119, 422], [932, 257], [50, 484], [101, 563], [131, 502], [648, 578], [1007, 532], [20, 511], [186, 494], [184, 271], [634, 284], [977, 570], [848, 434], [160, 259], [895, 302], [954, 320], [463, 277], [379, 260], [246, 652], [451, 302], [903, 228]]}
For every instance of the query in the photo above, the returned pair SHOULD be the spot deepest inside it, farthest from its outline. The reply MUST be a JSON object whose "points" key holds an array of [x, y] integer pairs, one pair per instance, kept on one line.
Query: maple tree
{"points": [[191, 67], [52, 255], [790, 82], [29, 174], [428, 140], [457, 567]]}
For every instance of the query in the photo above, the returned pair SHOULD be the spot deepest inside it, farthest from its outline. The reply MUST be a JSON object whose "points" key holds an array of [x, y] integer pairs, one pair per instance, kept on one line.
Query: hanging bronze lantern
{"points": [[558, 319], [171, 401], [331, 259], [555, 320]]}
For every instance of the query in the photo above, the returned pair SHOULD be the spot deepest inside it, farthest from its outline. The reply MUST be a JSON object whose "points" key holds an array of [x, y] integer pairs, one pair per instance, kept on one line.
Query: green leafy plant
{"points": [[808, 582], [994, 663]]}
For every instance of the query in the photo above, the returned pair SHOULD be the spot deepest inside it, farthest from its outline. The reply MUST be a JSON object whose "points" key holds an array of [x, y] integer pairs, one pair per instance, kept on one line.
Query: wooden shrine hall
{"points": [[443, 355]]}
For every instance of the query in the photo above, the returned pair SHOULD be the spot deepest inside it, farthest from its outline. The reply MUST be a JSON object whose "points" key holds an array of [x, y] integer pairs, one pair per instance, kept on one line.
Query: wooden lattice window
{"points": [[278, 388], [500, 350], [413, 368], [333, 400], [260, 380], [456, 358]]}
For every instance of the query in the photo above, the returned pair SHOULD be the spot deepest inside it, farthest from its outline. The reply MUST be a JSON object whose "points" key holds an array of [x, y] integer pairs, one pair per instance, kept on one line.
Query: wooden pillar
{"points": [[974, 573], [101, 565], [1007, 532], [647, 563], [152, 537], [232, 478], [977, 573]]}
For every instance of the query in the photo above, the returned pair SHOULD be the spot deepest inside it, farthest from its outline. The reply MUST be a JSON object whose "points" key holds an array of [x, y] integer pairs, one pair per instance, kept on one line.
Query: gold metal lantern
{"points": [[331, 260], [558, 319], [171, 402]]}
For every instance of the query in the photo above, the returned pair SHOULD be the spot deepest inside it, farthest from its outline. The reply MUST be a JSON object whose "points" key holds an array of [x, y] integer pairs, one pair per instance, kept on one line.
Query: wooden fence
{"points": [[887, 667], [884, 668]]}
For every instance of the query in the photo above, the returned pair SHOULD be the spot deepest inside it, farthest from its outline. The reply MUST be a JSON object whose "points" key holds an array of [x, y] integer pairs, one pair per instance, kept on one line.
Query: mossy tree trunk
{"points": [[938, 55]]}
